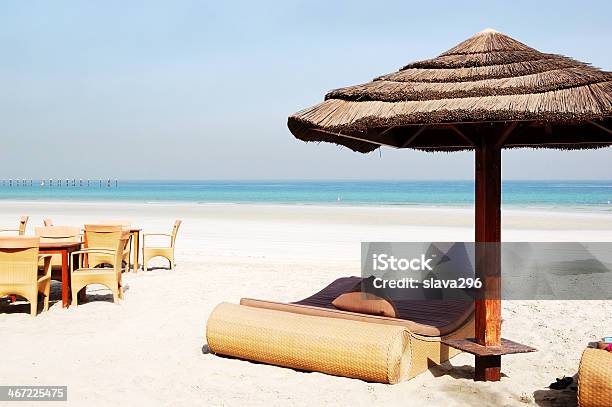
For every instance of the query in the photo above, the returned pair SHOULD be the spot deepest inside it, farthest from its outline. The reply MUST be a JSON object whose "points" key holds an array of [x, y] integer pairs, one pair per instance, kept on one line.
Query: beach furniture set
{"points": [[95, 254], [488, 93]]}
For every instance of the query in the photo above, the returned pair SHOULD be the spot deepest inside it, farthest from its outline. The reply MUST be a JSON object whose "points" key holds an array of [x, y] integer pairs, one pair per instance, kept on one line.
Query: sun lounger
{"points": [[373, 352], [426, 323], [595, 378], [19, 260]]}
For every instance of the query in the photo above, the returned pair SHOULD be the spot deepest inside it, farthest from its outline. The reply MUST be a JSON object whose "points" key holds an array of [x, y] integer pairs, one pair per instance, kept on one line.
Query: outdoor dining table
{"points": [[65, 249]]}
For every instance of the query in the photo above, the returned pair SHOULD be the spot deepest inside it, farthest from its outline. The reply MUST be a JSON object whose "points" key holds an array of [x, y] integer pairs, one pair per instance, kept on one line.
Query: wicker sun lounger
{"points": [[595, 378], [313, 335]]}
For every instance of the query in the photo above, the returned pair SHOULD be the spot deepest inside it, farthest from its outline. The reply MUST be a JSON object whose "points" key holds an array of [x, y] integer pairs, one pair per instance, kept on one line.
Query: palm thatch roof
{"points": [[489, 85]]}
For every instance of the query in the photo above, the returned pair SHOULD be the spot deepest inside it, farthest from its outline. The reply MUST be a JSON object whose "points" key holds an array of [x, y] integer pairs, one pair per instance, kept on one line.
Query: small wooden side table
{"points": [[488, 358]]}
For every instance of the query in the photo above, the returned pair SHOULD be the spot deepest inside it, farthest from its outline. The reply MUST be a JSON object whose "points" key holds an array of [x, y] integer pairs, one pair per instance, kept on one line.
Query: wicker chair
{"points": [[82, 276], [104, 237], [167, 252], [58, 234], [23, 221], [19, 260], [126, 225], [595, 378]]}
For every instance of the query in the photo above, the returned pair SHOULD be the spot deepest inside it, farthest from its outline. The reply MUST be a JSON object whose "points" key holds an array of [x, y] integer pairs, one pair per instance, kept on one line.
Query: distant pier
{"points": [[59, 183]]}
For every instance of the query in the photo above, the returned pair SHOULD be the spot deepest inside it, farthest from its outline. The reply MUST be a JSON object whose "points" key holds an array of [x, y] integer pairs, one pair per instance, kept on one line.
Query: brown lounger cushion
{"points": [[429, 318], [365, 303]]}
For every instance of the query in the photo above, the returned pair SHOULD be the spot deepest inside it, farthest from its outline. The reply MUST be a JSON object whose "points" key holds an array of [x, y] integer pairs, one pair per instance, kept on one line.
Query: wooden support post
{"points": [[487, 368], [488, 237]]}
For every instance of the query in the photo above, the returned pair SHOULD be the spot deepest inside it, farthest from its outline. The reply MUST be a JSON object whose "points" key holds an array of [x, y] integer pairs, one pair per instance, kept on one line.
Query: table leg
{"points": [[136, 250], [488, 368], [65, 279], [83, 295]]}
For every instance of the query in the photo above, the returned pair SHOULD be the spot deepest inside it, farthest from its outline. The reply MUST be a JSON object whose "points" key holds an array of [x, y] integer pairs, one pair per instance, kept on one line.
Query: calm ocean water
{"points": [[587, 195]]}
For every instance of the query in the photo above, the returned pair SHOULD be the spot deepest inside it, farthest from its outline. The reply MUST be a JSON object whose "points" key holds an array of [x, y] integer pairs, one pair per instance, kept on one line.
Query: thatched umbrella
{"points": [[487, 93]]}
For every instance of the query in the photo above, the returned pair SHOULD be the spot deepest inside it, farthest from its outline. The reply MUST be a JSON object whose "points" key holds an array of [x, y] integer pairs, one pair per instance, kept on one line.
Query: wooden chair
{"points": [[167, 252], [58, 234], [19, 260], [84, 275], [23, 221]]}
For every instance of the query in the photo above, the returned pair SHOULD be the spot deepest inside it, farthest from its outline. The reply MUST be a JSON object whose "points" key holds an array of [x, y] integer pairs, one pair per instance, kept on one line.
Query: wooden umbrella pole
{"points": [[488, 265]]}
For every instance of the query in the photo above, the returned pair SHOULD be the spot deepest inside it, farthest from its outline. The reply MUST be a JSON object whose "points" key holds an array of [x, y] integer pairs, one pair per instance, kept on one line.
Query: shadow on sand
{"points": [[456, 372], [558, 398], [555, 398]]}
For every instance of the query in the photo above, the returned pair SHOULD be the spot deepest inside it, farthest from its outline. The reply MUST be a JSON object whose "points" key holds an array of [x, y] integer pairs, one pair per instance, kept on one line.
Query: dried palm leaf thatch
{"points": [[441, 104]]}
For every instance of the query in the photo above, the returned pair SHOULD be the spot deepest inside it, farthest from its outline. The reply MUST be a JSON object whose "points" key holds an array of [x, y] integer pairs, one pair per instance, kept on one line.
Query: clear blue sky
{"points": [[196, 89]]}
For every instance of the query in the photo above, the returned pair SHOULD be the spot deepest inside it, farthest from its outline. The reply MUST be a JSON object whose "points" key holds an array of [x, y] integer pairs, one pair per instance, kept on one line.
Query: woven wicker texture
{"points": [[19, 261], [149, 252], [104, 237], [428, 351], [55, 234], [110, 277], [595, 379], [371, 352], [425, 350]]}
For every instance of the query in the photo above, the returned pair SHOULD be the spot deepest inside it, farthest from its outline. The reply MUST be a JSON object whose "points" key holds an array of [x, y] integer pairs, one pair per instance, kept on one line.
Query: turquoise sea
{"points": [[588, 195]]}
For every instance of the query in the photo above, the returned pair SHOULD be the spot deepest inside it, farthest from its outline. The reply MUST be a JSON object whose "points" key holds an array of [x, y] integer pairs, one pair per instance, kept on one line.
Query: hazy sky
{"points": [[196, 89]]}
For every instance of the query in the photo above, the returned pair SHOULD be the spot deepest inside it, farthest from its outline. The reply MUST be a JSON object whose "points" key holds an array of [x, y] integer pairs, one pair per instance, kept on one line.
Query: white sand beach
{"points": [[149, 348]]}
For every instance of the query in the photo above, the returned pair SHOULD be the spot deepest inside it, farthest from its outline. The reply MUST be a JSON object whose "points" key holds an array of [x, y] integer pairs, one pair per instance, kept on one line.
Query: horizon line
{"points": [[303, 179]]}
